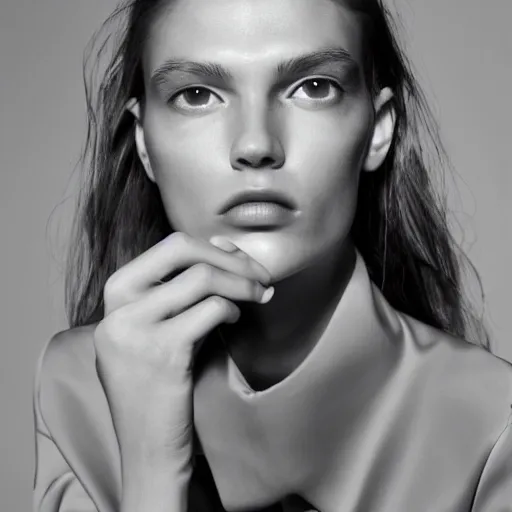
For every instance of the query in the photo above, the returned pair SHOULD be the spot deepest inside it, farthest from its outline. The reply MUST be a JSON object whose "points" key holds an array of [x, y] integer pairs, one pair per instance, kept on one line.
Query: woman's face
{"points": [[267, 95]]}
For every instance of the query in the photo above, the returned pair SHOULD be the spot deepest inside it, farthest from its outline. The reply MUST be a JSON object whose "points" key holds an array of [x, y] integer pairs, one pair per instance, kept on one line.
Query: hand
{"points": [[146, 343]]}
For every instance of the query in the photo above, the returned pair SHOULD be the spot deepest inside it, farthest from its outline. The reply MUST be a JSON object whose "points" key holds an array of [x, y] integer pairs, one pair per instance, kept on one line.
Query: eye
{"points": [[194, 99], [321, 90]]}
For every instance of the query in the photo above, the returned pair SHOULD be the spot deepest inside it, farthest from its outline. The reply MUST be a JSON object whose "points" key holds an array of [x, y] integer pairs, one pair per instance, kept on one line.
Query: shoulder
{"points": [[457, 359], [67, 352], [67, 387], [445, 365], [461, 380], [67, 359]]}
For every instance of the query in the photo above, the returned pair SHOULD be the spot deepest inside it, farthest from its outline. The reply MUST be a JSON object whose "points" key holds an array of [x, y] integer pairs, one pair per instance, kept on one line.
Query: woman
{"points": [[265, 304]]}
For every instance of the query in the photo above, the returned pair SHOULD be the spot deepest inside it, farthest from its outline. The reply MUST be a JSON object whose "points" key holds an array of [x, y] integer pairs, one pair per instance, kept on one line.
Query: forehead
{"points": [[251, 32]]}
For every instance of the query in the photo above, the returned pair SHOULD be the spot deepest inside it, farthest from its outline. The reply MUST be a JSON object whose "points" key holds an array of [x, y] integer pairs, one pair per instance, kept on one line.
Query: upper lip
{"points": [[258, 195]]}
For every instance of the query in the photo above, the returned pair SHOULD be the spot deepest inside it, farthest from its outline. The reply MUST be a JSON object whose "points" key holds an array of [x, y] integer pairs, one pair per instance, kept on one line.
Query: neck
{"points": [[271, 340]]}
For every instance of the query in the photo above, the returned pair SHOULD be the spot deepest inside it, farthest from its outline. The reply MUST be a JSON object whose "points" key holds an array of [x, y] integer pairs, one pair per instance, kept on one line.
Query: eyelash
{"points": [[331, 82]]}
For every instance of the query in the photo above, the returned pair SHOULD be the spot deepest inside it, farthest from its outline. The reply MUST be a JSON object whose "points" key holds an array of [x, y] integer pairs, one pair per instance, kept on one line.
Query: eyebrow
{"points": [[295, 66]]}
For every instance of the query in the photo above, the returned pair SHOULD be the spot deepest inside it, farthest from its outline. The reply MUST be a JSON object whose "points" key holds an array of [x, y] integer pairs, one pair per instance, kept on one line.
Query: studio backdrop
{"points": [[461, 50]]}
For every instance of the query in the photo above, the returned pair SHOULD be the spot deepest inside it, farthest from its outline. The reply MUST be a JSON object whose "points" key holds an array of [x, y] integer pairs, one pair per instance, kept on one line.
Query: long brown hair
{"points": [[400, 228]]}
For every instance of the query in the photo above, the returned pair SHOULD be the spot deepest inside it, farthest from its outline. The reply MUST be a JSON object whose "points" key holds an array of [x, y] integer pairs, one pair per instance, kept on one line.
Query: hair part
{"points": [[400, 227]]}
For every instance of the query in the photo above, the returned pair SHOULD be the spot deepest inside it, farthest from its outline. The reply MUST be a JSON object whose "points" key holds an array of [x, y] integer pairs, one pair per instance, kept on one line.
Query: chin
{"points": [[282, 255]]}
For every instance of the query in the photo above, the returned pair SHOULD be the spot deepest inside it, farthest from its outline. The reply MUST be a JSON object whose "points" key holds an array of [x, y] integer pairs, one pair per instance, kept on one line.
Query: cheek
{"points": [[182, 164], [331, 162]]}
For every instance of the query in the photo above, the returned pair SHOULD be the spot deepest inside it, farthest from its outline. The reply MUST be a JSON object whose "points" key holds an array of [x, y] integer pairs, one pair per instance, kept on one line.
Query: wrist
{"points": [[153, 489], [159, 454]]}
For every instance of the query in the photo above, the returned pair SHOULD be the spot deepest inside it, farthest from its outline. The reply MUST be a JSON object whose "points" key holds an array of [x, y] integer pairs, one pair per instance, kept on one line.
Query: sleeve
{"points": [[494, 492], [55, 488], [68, 479]]}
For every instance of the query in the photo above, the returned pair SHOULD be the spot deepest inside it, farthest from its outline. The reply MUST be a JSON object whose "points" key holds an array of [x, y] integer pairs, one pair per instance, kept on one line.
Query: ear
{"points": [[383, 129], [133, 106]]}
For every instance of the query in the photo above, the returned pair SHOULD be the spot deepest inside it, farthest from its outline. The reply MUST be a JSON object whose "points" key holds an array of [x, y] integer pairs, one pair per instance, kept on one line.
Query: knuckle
{"points": [[179, 238], [113, 287], [219, 303], [204, 272], [117, 292], [113, 328]]}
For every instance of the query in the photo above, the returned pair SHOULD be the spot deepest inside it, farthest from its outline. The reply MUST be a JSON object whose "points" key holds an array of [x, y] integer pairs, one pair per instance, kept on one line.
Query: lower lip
{"points": [[261, 214]]}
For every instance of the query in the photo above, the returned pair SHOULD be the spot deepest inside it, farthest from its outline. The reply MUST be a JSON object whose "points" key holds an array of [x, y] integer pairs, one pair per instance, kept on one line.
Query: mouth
{"points": [[259, 215], [261, 209]]}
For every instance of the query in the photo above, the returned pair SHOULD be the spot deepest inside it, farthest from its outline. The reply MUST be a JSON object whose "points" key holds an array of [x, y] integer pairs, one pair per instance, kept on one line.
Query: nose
{"points": [[256, 144]]}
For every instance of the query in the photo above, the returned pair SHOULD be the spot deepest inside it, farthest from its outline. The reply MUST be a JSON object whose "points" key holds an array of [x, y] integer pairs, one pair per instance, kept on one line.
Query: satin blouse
{"points": [[385, 414]]}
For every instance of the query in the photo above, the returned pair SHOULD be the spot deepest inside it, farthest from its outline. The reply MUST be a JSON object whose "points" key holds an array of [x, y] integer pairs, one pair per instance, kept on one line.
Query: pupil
{"points": [[317, 88], [197, 96]]}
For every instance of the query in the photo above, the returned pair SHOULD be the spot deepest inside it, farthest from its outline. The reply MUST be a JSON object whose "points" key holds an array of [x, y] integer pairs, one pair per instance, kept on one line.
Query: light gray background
{"points": [[462, 49]]}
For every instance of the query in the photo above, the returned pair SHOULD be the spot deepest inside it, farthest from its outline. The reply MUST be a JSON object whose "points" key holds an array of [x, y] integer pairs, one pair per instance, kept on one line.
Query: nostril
{"points": [[257, 162], [266, 161]]}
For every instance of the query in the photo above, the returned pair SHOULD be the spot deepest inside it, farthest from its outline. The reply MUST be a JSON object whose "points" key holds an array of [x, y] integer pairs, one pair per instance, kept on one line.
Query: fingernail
{"points": [[269, 293], [223, 243]]}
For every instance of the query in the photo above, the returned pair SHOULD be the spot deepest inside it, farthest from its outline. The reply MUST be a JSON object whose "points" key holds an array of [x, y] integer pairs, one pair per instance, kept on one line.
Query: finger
{"points": [[194, 324], [192, 286], [172, 254], [224, 244]]}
